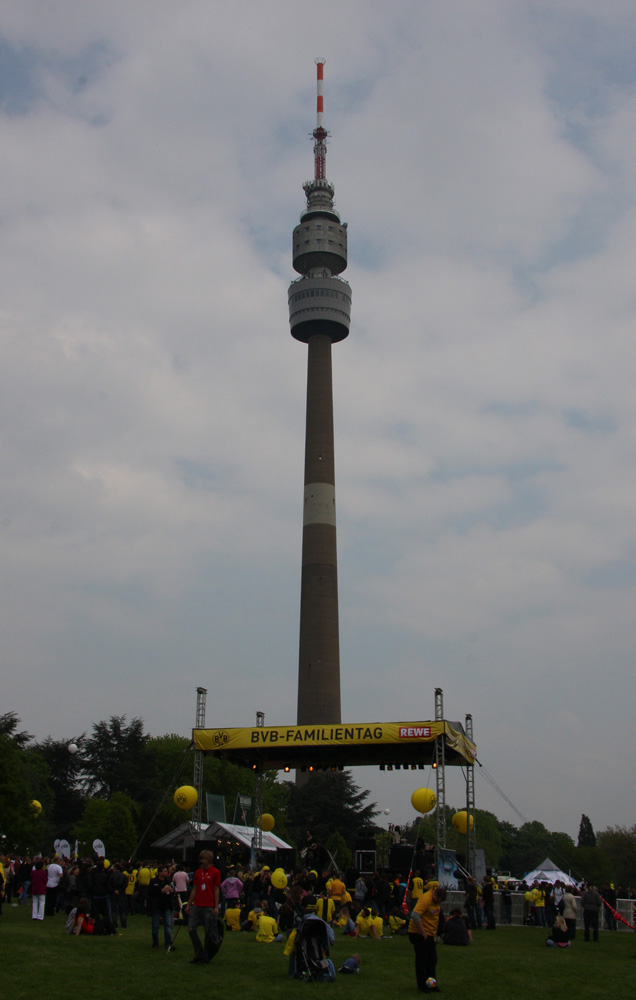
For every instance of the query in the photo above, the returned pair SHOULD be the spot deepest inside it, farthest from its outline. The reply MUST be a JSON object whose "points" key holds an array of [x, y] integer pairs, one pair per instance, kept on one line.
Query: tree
{"points": [[64, 783], [114, 759], [339, 850], [593, 865], [24, 776], [112, 821], [9, 722], [618, 844], [586, 833], [327, 802]]}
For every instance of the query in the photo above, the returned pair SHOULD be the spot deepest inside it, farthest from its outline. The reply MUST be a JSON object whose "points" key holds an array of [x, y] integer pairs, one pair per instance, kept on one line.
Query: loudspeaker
{"points": [[400, 856], [365, 844], [365, 861]]}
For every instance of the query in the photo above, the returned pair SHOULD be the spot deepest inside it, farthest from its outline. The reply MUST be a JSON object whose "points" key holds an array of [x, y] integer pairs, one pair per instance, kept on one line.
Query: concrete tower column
{"points": [[319, 656]]}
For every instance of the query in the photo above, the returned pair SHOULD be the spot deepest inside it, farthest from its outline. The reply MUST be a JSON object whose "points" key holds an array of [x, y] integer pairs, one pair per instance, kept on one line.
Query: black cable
{"points": [[165, 796]]}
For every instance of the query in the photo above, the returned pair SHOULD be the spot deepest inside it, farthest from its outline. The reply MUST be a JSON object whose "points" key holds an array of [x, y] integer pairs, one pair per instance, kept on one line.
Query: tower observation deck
{"points": [[319, 316]]}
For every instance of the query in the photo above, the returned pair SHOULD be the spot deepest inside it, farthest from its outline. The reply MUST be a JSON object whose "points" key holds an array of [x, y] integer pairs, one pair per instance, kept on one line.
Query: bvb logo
{"points": [[220, 739], [181, 799]]}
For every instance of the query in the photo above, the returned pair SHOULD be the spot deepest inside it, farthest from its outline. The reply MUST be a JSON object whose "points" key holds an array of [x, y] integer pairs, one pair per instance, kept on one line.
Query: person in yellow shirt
{"points": [[232, 917], [325, 907], [362, 922], [376, 924], [422, 933], [397, 923], [416, 889], [344, 922], [143, 881], [131, 888], [267, 929], [251, 924], [337, 890]]}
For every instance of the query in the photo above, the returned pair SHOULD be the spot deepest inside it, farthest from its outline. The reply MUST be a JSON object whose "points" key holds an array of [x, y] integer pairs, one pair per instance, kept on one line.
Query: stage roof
{"points": [[273, 748]]}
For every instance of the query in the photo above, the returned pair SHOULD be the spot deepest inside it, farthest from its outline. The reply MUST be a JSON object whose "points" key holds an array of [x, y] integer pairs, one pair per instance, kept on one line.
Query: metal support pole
{"points": [[440, 778], [470, 805], [257, 839], [197, 779]]}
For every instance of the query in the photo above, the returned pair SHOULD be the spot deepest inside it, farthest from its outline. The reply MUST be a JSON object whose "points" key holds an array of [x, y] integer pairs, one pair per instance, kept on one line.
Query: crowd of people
{"points": [[543, 901], [98, 898]]}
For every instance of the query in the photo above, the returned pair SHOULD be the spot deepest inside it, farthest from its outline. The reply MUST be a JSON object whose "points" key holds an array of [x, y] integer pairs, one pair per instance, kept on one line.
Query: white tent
{"points": [[186, 836], [548, 872]]}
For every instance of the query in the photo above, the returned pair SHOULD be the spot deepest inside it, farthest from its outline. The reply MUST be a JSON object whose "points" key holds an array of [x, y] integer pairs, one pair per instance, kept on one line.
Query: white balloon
{"points": [[73, 748]]}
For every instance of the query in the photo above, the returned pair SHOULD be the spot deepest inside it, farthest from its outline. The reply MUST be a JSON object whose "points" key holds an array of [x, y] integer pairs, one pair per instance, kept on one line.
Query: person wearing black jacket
{"points": [[99, 889], [455, 929], [161, 895], [117, 883], [488, 896]]}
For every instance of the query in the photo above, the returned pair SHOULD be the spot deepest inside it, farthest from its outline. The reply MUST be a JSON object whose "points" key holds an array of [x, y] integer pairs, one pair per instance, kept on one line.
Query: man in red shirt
{"points": [[202, 908]]}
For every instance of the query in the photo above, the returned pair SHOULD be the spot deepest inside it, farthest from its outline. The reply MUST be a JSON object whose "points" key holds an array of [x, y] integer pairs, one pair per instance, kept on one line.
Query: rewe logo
{"points": [[413, 732]]}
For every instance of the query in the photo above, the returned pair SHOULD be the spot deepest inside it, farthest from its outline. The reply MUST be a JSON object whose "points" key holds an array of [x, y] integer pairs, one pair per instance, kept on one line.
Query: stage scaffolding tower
{"points": [[440, 780], [197, 779], [257, 839], [470, 805]]}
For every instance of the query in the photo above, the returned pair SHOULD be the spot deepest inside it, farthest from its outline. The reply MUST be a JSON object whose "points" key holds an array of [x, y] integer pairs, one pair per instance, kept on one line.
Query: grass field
{"points": [[38, 959]]}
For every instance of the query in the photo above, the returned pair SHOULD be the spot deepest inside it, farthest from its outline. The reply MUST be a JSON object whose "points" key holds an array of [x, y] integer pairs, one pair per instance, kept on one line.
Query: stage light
{"points": [[414, 767], [434, 765], [287, 770], [389, 767], [383, 767]]}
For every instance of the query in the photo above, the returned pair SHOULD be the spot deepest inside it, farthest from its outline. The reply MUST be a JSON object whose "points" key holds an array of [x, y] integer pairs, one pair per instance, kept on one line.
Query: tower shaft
{"points": [[319, 653]]}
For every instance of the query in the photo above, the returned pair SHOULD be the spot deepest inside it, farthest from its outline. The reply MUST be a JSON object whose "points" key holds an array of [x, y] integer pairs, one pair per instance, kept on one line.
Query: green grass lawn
{"points": [[38, 959]]}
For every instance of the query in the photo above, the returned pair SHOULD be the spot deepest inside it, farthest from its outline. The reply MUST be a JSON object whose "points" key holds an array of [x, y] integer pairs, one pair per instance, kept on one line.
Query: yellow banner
{"points": [[358, 734]]}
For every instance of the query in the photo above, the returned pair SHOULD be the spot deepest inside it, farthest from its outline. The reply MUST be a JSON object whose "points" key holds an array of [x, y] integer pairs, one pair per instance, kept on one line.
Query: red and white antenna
{"points": [[320, 133], [319, 94]]}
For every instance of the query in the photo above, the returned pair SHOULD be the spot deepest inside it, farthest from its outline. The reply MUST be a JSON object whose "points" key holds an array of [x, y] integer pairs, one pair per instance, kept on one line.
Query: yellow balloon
{"points": [[185, 797], [267, 822], [460, 821], [423, 800], [279, 879], [36, 807], [106, 863]]}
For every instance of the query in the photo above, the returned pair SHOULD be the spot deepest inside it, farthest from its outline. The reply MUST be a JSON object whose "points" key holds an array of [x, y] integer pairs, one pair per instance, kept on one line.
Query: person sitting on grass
{"points": [[84, 923], [560, 937], [345, 923], [376, 924], [232, 916], [267, 929], [397, 923], [362, 922], [456, 929], [251, 923]]}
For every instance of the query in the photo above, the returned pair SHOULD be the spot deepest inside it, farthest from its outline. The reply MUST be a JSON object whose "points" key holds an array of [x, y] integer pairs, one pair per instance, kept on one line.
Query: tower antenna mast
{"points": [[320, 133]]}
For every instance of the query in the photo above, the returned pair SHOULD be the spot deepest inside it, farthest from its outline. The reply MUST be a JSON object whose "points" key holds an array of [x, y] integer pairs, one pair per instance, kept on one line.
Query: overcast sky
{"points": [[484, 156]]}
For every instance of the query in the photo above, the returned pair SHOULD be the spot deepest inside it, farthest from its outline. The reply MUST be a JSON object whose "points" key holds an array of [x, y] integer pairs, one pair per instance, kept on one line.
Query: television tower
{"points": [[319, 316]]}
